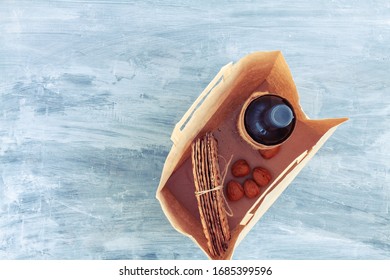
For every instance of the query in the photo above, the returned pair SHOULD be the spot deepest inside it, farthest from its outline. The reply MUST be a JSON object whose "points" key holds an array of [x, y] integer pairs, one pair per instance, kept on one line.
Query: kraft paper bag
{"points": [[217, 111]]}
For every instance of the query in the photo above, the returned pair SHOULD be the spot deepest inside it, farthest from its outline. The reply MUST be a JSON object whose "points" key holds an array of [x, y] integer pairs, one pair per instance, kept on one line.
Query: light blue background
{"points": [[90, 92]]}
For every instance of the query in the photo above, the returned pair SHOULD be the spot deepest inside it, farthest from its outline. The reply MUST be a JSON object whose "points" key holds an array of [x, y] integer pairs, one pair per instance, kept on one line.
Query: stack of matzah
{"points": [[209, 194]]}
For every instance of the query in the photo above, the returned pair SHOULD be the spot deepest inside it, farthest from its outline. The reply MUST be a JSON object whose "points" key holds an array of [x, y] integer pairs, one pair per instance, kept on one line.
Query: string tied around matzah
{"points": [[229, 211]]}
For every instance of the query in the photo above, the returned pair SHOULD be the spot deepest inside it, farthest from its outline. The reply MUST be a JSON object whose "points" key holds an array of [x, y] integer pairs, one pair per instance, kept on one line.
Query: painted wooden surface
{"points": [[90, 92]]}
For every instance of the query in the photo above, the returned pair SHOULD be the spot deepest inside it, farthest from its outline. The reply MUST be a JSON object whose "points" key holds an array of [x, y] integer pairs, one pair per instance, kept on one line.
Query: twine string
{"points": [[229, 211]]}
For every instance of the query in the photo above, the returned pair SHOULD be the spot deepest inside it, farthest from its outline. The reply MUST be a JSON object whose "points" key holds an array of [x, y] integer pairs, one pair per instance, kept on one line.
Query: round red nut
{"points": [[251, 189], [240, 168], [261, 176], [234, 191]]}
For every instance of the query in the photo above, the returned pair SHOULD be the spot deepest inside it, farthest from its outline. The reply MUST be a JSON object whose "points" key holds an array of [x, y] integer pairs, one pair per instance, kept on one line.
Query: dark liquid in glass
{"points": [[269, 120]]}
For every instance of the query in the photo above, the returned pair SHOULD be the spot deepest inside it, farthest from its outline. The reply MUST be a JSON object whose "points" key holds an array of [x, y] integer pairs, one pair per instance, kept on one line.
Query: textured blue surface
{"points": [[90, 92]]}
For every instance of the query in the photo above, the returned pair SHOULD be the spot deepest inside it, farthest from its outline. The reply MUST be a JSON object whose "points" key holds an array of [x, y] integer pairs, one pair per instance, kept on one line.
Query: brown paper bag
{"points": [[217, 110]]}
